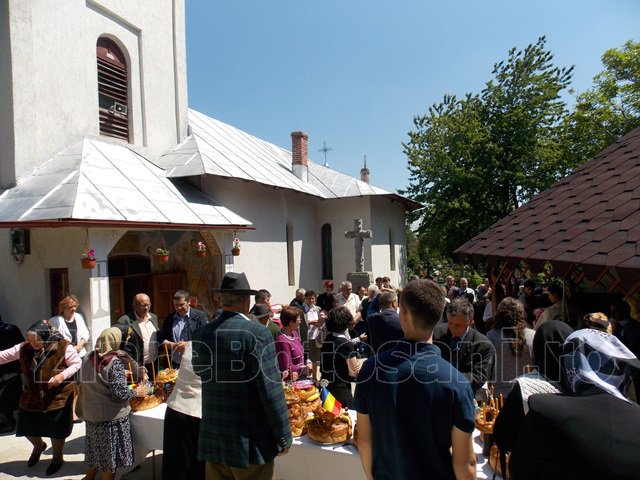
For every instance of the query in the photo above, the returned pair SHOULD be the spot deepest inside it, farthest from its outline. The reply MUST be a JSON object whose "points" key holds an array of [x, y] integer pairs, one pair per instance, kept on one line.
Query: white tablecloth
{"points": [[311, 461], [306, 460], [147, 427]]}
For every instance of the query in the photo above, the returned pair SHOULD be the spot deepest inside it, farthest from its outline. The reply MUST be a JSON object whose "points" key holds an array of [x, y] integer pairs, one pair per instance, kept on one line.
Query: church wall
{"points": [[54, 87], [263, 255], [7, 173], [389, 217], [341, 213], [25, 294]]}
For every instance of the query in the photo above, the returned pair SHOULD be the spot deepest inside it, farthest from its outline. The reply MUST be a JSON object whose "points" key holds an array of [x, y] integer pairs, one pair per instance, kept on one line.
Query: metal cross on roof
{"points": [[324, 150]]}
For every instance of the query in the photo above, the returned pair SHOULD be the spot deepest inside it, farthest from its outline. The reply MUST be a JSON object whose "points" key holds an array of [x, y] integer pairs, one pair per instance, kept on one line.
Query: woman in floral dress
{"points": [[105, 405]]}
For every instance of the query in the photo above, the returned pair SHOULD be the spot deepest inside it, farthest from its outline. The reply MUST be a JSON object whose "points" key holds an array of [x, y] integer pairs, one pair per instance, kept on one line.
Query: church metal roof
{"points": [[96, 181], [216, 148]]}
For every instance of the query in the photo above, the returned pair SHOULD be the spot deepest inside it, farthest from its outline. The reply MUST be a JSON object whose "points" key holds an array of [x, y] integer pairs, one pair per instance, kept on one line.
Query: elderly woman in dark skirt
{"points": [[47, 361], [105, 405]]}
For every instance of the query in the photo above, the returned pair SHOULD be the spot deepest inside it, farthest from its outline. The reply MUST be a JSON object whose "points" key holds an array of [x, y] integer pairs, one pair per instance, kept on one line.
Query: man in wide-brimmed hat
{"points": [[245, 423], [262, 313]]}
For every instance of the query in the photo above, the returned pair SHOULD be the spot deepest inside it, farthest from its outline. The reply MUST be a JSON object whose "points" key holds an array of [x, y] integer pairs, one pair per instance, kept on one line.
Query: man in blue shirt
{"points": [[415, 410], [178, 327]]}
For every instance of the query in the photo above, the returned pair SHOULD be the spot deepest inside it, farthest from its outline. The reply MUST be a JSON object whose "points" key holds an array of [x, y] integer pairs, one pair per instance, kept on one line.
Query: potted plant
{"points": [[88, 259], [235, 249], [162, 255], [201, 250]]}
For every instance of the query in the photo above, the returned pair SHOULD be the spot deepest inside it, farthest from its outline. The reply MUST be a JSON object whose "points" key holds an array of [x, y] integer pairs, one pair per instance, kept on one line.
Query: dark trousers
{"points": [[342, 393], [10, 391], [218, 471], [180, 447]]}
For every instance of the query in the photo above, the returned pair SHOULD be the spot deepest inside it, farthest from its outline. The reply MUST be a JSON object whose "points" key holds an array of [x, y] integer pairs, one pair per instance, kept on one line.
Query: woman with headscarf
{"points": [[47, 361], [105, 404], [73, 328], [591, 432], [513, 343], [547, 348]]}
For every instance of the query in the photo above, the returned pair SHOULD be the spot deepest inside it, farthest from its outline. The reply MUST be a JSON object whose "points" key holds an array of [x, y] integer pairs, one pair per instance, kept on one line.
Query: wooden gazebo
{"points": [[586, 227]]}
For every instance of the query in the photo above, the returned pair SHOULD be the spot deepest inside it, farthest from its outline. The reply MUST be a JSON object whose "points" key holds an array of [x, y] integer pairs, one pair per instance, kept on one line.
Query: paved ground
{"points": [[15, 451]]}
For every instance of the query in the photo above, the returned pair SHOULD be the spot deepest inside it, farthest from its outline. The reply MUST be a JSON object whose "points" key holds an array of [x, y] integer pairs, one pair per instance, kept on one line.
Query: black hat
{"points": [[260, 310], [233, 282]]}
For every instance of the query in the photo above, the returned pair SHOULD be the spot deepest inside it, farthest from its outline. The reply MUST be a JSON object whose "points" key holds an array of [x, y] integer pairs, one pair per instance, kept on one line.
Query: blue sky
{"points": [[354, 73]]}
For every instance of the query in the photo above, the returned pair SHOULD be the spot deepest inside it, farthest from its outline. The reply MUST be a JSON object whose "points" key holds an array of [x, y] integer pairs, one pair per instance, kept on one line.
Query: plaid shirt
{"points": [[244, 413]]}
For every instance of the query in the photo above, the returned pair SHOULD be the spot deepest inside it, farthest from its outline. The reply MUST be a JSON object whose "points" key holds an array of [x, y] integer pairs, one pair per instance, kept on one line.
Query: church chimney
{"points": [[364, 171], [299, 150]]}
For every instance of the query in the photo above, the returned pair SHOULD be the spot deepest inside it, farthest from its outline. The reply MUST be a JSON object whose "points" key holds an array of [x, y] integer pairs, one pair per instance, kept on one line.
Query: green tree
{"points": [[609, 109], [473, 161]]}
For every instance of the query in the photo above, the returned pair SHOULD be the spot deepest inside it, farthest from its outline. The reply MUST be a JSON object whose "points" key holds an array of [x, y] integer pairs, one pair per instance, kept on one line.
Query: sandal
{"points": [[35, 457]]}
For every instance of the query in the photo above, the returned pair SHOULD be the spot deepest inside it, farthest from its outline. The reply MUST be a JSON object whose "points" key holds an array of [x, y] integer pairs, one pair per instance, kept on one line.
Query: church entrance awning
{"points": [[99, 183]]}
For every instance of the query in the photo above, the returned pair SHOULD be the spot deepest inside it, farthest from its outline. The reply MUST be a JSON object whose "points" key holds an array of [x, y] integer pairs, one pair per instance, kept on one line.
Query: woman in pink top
{"points": [[47, 362], [289, 349]]}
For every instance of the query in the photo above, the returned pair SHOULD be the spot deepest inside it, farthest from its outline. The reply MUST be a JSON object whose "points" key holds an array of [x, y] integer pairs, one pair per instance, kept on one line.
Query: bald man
{"points": [[140, 329]]}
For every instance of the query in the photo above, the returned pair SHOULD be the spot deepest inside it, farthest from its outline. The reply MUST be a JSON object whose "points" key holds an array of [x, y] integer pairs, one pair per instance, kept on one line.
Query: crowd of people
{"points": [[414, 363]]}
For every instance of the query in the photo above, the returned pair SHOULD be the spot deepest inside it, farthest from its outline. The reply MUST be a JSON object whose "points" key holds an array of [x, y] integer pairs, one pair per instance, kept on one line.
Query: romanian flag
{"points": [[329, 403]]}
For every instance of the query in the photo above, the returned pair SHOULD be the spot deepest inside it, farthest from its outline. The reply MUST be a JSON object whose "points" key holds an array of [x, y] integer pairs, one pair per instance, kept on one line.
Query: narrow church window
{"points": [[392, 251], [290, 264], [113, 90], [327, 253]]}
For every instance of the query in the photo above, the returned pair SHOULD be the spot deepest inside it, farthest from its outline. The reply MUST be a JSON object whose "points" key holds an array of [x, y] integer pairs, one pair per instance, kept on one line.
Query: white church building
{"points": [[99, 151]]}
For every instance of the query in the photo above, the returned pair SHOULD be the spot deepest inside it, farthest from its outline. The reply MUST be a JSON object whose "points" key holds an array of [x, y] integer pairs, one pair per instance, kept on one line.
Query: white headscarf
{"points": [[592, 358]]}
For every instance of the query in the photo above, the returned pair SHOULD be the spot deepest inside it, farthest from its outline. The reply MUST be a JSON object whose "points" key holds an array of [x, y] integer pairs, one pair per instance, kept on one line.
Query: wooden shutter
{"points": [[113, 90]]}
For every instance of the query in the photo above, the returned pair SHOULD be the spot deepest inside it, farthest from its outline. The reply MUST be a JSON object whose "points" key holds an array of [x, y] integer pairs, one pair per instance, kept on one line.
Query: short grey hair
{"points": [[387, 298], [346, 283], [300, 290], [373, 288], [460, 306]]}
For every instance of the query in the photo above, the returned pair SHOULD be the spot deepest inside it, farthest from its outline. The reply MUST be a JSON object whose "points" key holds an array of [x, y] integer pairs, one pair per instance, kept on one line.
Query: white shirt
{"points": [[149, 347], [312, 316], [352, 303], [187, 394], [82, 331], [469, 291]]}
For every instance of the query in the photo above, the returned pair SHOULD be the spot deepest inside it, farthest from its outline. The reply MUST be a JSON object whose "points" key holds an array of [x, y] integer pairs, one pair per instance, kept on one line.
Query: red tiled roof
{"points": [[590, 217]]}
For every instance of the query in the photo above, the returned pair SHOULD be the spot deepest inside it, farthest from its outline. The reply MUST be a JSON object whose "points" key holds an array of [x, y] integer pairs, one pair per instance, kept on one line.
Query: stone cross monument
{"points": [[359, 277]]}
